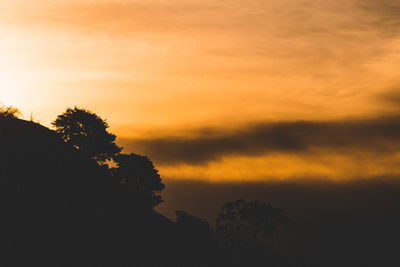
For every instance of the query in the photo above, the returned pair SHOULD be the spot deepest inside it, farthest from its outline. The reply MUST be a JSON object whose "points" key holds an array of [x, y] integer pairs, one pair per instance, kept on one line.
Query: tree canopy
{"points": [[194, 224], [87, 132], [250, 220], [140, 178]]}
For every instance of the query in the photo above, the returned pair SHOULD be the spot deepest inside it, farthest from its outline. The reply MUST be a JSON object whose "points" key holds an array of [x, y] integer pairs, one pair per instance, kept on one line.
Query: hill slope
{"points": [[58, 207]]}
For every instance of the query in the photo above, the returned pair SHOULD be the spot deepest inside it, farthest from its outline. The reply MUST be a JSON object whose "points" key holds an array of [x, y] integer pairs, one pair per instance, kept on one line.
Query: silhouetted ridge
{"points": [[61, 205], [60, 208]]}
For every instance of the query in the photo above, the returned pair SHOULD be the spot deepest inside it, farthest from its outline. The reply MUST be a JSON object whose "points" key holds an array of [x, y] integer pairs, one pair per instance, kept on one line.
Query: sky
{"points": [[238, 90]]}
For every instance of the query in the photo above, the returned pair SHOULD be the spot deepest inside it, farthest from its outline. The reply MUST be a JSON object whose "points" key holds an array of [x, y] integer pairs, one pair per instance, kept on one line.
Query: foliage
{"points": [[69, 200], [9, 112], [140, 178], [241, 220], [200, 238], [87, 132], [194, 224]]}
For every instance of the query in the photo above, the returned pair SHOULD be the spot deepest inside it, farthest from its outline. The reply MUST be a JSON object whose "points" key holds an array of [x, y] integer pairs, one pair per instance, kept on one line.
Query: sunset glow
{"points": [[184, 69]]}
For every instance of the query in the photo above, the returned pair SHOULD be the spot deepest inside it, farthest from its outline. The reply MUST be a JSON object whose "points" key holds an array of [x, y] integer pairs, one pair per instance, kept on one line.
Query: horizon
{"points": [[166, 81], [185, 70], [200, 133]]}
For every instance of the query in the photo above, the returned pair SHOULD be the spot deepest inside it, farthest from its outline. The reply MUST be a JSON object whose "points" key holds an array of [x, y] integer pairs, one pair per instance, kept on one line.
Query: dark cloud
{"points": [[376, 135], [390, 98], [383, 14]]}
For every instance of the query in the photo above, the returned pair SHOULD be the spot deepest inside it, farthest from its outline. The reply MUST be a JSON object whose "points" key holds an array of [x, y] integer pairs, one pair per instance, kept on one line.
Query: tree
{"points": [[87, 132], [193, 224], [199, 240], [241, 220], [140, 178], [9, 112]]}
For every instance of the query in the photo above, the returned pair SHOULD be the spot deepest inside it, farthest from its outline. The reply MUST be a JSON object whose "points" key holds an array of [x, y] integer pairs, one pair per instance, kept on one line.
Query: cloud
{"points": [[375, 135], [390, 98], [256, 59], [384, 15]]}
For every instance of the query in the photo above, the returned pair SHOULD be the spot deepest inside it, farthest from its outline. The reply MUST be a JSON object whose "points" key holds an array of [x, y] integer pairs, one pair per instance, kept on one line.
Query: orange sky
{"points": [[169, 68]]}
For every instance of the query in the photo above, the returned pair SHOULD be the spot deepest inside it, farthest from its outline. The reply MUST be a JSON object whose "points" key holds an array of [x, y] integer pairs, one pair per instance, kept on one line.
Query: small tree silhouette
{"points": [[241, 220], [87, 132], [9, 112], [140, 178]]}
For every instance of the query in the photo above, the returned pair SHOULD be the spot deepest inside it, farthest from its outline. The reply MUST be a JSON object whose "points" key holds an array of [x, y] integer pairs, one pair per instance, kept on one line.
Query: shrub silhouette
{"points": [[244, 229], [200, 238], [194, 224], [139, 178], [9, 112], [241, 220], [87, 132]]}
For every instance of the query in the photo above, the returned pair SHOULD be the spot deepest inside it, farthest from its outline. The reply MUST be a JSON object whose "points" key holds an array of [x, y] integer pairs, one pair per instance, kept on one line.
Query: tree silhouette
{"points": [[241, 220], [87, 132], [199, 240], [9, 112], [139, 177], [194, 224]]}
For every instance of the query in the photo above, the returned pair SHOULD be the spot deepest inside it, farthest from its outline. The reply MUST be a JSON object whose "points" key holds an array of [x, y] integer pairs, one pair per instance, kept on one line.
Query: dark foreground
{"points": [[348, 224], [58, 207]]}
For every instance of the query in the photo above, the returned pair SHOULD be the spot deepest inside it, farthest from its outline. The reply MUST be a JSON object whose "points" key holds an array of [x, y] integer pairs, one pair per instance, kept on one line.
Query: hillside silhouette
{"points": [[60, 208], [62, 205]]}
